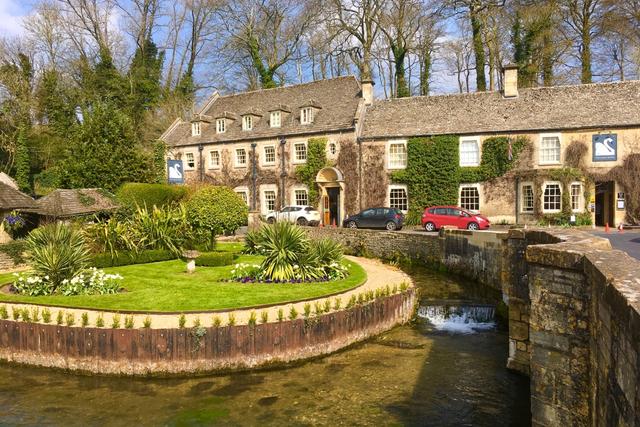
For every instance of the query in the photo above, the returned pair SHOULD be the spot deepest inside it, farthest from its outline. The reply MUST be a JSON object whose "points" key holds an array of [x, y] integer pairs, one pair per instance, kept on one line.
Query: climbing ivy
{"points": [[433, 174], [316, 160]]}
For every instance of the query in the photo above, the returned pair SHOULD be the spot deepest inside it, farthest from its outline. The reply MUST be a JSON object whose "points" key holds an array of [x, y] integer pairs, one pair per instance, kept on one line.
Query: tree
{"points": [[144, 81], [103, 151], [23, 162]]}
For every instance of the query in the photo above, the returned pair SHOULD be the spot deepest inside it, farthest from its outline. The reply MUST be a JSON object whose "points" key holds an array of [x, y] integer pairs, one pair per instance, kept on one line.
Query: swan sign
{"points": [[175, 171], [605, 147]]}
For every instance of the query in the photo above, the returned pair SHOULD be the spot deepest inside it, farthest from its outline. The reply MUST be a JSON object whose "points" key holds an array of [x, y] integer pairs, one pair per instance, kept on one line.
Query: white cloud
{"points": [[12, 12]]}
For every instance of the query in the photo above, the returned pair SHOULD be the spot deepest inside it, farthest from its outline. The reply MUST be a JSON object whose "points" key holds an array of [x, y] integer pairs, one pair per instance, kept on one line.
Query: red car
{"points": [[436, 216]]}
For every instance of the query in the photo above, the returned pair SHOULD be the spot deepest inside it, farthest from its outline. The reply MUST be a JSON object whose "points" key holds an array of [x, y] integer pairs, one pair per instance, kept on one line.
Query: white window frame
{"points": [[392, 187], [186, 162], [296, 160], [478, 188], [580, 207], [264, 155], [243, 190], [196, 129], [221, 125], [469, 139], [392, 165], [293, 195], [533, 198], [263, 199], [247, 122], [306, 115], [544, 189], [236, 163], [275, 119], [211, 164], [544, 136]]}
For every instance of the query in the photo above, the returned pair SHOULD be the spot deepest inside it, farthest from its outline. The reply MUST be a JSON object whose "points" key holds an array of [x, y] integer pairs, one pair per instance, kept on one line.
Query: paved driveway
{"points": [[628, 241]]}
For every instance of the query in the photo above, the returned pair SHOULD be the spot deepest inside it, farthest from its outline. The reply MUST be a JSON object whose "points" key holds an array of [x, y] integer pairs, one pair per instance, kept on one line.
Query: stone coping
{"points": [[379, 275]]}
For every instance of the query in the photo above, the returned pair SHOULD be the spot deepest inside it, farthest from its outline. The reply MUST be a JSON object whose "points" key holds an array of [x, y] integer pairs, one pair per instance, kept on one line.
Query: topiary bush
{"points": [[127, 258], [133, 194], [216, 210], [215, 259]]}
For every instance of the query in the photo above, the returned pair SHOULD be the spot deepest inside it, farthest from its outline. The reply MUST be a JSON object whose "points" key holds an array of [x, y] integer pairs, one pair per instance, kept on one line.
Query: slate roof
{"points": [[67, 203], [336, 101], [10, 198], [545, 108]]}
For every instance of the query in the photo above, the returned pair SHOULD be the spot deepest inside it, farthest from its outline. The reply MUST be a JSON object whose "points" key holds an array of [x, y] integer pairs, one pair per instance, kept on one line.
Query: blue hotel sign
{"points": [[605, 147], [175, 171]]}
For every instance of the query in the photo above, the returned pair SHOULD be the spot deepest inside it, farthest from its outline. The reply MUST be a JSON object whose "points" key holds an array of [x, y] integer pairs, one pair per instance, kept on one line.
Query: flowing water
{"points": [[445, 369]]}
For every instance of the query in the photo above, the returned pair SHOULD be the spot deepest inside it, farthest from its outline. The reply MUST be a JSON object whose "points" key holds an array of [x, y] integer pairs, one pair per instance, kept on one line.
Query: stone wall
{"points": [[173, 351]]}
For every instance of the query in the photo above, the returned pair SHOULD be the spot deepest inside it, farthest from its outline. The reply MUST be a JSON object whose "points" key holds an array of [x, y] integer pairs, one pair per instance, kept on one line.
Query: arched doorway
{"points": [[331, 183]]}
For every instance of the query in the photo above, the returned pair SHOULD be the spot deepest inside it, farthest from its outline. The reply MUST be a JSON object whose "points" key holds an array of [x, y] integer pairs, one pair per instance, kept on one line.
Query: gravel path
{"points": [[379, 275]]}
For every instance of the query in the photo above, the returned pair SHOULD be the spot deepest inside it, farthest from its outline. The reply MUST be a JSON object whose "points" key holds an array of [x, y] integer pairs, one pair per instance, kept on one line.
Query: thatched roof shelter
{"points": [[11, 198], [69, 203]]}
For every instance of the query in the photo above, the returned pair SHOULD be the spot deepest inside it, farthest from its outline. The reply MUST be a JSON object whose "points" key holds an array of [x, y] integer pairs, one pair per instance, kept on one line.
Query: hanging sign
{"points": [[620, 204], [175, 171], [605, 147]]}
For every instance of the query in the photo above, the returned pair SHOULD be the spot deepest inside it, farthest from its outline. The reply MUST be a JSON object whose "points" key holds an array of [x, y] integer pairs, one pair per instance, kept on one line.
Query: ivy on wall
{"points": [[316, 160], [433, 174]]}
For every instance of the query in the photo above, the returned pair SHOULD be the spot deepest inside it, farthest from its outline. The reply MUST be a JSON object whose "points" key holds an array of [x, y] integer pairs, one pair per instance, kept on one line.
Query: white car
{"points": [[301, 215]]}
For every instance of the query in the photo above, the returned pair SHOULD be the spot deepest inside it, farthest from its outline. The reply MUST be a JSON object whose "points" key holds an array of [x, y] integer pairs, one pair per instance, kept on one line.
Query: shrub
{"points": [[146, 323], [215, 259], [264, 317], [60, 317], [46, 315], [127, 258], [280, 315], [327, 305], [85, 320], [216, 210], [26, 316], [182, 321], [57, 252], [4, 314], [216, 321], [293, 313], [35, 314], [70, 319], [196, 322], [15, 250], [232, 319], [128, 321], [133, 194], [100, 321], [15, 313], [115, 321], [337, 303], [253, 318]]}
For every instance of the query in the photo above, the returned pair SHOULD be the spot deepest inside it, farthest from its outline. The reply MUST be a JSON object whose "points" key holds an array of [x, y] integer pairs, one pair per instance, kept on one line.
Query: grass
{"points": [[164, 286]]}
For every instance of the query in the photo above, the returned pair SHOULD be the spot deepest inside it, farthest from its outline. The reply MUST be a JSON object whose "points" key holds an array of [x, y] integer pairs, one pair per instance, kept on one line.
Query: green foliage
{"points": [[100, 321], [216, 210], [70, 319], [293, 313], [280, 315], [215, 259], [182, 321], [4, 314], [134, 194], [264, 317], [15, 250], [217, 321], [84, 321], [57, 251], [231, 319], [60, 317], [115, 321], [128, 258], [46, 315], [495, 159], [128, 321], [146, 323], [159, 161], [253, 318], [337, 303], [316, 160], [23, 162], [306, 310]]}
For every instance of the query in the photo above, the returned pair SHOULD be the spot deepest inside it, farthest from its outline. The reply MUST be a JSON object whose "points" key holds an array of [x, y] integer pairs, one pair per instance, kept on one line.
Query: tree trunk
{"points": [[425, 72], [478, 49], [585, 56], [399, 54]]}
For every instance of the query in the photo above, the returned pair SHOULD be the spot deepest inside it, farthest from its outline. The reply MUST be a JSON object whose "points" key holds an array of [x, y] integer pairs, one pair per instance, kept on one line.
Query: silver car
{"points": [[301, 215]]}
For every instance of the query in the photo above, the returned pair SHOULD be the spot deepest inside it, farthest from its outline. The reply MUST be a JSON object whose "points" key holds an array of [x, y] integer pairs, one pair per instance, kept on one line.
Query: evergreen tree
{"points": [[144, 80], [23, 161]]}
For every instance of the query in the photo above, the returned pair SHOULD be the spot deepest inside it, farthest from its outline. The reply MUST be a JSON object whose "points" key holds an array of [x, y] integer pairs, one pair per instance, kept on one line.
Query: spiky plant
{"points": [[283, 244]]}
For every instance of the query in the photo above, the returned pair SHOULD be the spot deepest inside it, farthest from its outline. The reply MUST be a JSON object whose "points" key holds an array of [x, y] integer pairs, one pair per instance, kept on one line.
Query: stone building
{"points": [[578, 138]]}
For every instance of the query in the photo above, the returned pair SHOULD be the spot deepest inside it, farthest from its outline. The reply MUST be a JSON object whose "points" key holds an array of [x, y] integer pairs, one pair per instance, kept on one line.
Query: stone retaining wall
{"points": [[173, 351]]}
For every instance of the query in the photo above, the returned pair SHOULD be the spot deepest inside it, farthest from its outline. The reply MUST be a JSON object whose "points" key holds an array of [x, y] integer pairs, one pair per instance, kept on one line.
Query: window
{"points": [[306, 115], [195, 129], [369, 213], [469, 152], [275, 121], [221, 126], [552, 198], [269, 201], [470, 198], [576, 197], [191, 160], [398, 198], [243, 192], [333, 149], [300, 197], [527, 199], [214, 159], [300, 152], [247, 122], [269, 155], [241, 157], [549, 149], [397, 155]]}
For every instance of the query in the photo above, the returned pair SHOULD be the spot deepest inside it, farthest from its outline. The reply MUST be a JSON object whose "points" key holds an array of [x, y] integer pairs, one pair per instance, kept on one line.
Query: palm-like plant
{"points": [[282, 244], [57, 251]]}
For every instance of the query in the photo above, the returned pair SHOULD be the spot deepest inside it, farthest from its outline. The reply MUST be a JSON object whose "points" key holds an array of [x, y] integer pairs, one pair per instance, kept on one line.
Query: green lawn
{"points": [[164, 286]]}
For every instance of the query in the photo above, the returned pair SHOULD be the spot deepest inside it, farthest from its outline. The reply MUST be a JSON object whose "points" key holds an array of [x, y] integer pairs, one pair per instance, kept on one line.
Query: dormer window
{"points": [[221, 126], [195, 129], [247, 122], [306, 115], [276, 119]]}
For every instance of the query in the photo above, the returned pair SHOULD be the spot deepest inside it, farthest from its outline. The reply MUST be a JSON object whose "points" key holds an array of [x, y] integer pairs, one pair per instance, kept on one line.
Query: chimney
{"points": [[367, 91], [510, 81]]}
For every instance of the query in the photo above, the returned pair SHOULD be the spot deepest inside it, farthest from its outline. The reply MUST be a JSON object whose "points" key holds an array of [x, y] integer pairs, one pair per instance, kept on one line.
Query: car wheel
{"points": [[429, 226], [390, 225], [271, 220], [302, 221], [472, 226], [352, 224]]}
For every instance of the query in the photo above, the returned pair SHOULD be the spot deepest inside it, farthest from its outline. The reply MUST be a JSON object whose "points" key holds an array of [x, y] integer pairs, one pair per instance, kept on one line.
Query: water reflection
{"points": [[412, 375]]}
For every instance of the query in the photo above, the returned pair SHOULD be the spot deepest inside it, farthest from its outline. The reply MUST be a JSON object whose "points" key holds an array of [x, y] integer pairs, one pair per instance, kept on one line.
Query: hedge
{"points": [[15, 250], [133, 193], [215, 259], [127, 258]]}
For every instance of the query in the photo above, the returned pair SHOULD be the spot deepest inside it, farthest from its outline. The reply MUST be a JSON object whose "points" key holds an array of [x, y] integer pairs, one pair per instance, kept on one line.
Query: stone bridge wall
{"points": [[574, 311]]}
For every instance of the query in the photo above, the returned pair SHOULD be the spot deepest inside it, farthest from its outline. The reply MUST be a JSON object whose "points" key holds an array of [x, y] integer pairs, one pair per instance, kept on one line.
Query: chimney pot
{"points": [[367, 91], [510, 81]]}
